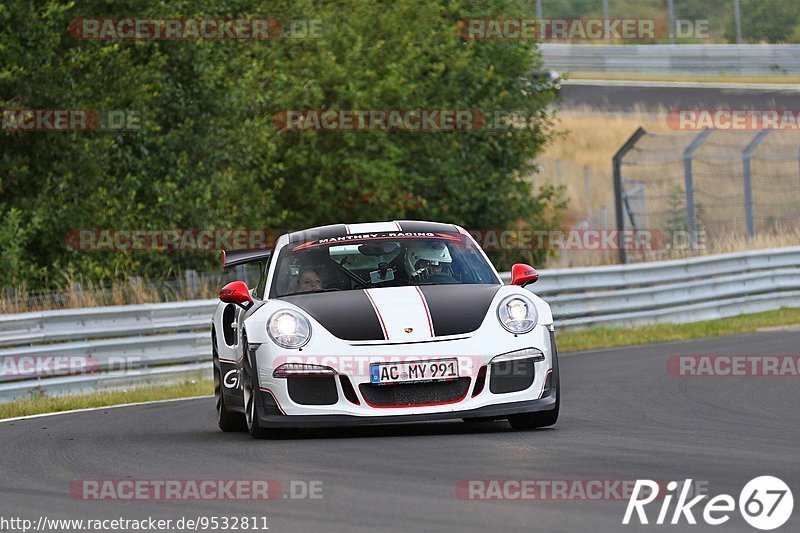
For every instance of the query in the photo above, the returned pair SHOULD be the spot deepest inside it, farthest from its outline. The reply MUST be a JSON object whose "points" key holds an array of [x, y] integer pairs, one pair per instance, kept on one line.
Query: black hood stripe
{"points": [[378, 314], [353, 316], [458, 309], [348, 315]]}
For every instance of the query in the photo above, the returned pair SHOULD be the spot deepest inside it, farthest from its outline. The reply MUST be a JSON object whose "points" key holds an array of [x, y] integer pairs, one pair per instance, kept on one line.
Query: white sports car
{"points": [[380, 323]]}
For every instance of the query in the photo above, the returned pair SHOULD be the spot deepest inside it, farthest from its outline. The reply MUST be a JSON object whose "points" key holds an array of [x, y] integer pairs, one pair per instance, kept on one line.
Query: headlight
{"points": [[517, 314], [288, 329]]}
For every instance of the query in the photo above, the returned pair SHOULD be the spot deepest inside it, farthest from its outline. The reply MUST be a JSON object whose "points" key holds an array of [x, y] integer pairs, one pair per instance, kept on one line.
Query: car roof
{"points": [[340, 230]]}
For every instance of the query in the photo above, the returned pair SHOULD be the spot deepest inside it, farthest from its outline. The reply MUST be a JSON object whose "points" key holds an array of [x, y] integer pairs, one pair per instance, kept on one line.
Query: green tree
{"points": [[209, 154]]}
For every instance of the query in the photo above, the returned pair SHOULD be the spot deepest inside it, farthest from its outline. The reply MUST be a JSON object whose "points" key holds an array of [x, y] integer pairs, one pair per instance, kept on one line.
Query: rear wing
{"points": [[234, 258]]}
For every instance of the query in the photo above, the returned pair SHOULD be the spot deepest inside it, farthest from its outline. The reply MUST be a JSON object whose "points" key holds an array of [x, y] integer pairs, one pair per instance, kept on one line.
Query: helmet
{"points": [[435, 253]]}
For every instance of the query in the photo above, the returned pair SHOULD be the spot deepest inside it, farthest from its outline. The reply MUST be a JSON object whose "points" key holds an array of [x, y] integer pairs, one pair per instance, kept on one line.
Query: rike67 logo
{"points": [[765, 503]]}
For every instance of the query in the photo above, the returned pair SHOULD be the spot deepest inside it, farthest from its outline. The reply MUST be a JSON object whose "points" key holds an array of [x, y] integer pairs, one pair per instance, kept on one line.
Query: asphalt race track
{"points": [[614, 97], [623, 417]]}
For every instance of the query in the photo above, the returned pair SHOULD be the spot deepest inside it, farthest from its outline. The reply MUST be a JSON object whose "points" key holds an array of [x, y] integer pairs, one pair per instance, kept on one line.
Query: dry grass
{"points": [[589, 138], [586, 141], [126, 292]]}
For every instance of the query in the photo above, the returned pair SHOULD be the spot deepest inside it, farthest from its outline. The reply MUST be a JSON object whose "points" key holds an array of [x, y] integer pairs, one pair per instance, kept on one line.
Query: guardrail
{"points": [[170, 342], [674, 58]]}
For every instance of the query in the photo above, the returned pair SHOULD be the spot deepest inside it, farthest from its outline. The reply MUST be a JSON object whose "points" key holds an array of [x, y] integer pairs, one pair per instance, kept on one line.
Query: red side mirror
{"points": [[236, 292], [522, 274]]}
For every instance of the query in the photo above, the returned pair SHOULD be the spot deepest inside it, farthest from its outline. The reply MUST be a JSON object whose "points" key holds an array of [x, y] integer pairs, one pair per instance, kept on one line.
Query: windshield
{"points": [[370, 261]]}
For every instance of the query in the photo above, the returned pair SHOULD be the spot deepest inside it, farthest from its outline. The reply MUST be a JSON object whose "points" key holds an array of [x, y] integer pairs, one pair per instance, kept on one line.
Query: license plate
{"points": [[414, 371]]}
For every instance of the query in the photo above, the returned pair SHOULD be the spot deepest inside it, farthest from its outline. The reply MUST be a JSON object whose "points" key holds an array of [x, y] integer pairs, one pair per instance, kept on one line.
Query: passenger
{"points": [[309, 281]]}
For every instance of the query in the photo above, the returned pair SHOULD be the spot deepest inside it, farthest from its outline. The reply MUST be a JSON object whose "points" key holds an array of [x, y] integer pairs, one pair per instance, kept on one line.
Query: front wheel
{"points": [[251, 392]]}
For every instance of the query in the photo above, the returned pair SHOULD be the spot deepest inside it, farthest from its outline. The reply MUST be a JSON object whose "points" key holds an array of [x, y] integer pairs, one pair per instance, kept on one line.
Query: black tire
{"points": [[226, 419], [538, 419], [251, 393]]}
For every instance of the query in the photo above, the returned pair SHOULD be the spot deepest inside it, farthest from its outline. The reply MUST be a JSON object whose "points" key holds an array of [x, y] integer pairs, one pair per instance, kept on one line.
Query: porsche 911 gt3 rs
{"points": [[381, 322]]}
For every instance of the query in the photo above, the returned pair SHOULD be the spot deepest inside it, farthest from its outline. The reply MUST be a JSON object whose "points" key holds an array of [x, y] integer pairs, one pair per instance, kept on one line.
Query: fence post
{"points": [[190, 277], [737, 15], [748, 181], [588, 192], [618, 196], [12, 296], [539, 9], [671, 13], [688, 180], [558, 172]]}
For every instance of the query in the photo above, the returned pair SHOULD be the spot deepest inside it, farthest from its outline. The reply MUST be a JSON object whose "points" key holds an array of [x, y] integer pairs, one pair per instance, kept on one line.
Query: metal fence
{"points": [[711, 185], [170, 342], [745, 59], [684, 20]]}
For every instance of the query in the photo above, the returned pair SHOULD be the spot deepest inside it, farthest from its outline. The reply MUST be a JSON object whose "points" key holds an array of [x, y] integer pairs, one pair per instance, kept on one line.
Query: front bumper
{"points": [[277, 409], [490, 411]]}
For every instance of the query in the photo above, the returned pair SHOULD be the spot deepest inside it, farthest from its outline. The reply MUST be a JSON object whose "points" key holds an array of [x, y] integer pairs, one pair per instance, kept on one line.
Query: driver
{"points": [[426, 258], [309, 281]]}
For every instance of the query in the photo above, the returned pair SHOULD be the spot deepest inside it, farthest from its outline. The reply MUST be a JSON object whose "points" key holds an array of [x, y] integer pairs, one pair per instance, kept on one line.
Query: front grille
{"points": [[312, 390], [414, 394], [511, 376]]}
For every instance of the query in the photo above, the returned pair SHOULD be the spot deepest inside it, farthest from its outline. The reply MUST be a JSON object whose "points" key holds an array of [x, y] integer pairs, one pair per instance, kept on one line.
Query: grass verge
{"points": [[778, 79], [43, 404], [568, 341], [594, 338]]}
